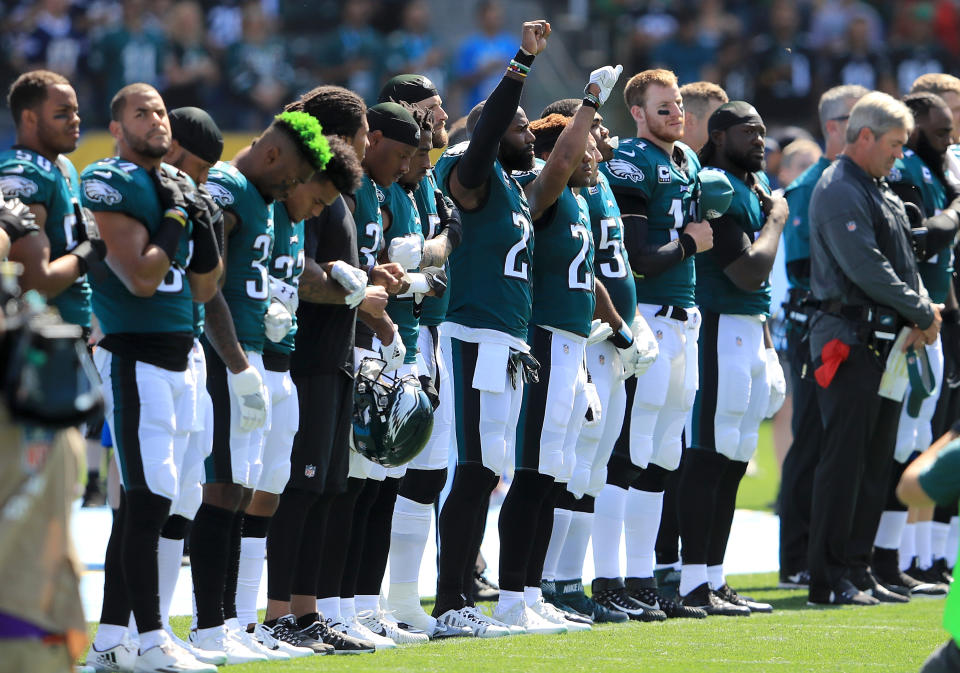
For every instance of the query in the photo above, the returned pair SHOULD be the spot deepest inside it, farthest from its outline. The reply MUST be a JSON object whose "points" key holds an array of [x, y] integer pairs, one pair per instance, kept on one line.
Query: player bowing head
{"points": [[394, 138], [341, 175], [288, 153], [547, 131]]}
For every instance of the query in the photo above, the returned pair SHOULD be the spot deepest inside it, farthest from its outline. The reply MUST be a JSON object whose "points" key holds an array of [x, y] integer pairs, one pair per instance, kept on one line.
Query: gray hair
{"points": [[880, 113], [833, 102]]}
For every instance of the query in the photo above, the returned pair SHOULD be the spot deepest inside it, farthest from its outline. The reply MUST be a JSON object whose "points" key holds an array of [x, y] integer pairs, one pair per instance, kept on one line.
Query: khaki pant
{"points": [[31, 655]]}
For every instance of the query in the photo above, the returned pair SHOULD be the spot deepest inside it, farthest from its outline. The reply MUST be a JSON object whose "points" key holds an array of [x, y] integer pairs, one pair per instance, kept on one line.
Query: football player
{"points": [[654, 180], [736, 353], [144, 303], [282, 157]]}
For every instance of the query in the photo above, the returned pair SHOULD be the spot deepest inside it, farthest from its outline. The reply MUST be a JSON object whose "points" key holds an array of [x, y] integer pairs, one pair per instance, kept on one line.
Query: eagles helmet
{"points": [[716, 193], [392, 417]]}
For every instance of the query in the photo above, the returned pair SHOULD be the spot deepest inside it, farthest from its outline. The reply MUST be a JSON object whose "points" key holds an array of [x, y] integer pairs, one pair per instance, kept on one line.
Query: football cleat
{"points": [[706, 599], [118, 659], [169, 657], [342, 642], [357, 630], [484, 589], [268, 637], [401, 634], [845, 593], [643, 590], [554, 615], [729, 594], [220, 641], [272, 651], [570, 595], [479, 625], [612, 594], [206, 656], [668, 582], [674, 609], [520, 615], [286, 631], [797, 580]]}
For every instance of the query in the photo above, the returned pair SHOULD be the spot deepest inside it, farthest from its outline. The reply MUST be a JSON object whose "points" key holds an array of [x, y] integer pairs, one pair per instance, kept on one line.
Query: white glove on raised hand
{"points": [[393, 353], [605, 78], [351, 279], [646, 344], [592, 418], [247, 388], [407, 251], [277, 321], [284, 293], [778, 384], [599, 331]]}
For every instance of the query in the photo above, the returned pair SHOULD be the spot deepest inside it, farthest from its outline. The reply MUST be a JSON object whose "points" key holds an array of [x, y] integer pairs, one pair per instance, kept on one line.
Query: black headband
{"points": [[395, 122], [731, 114], [407, 88], [197, 133]]}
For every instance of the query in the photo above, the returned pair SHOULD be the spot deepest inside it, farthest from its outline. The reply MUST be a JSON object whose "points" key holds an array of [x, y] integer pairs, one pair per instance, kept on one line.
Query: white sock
{"points": [[953, 542], [908, 545], [641, 523], [570, 565], [252, 550], [152, 639], [607, 529], [924, 551], [109, 635], [531, 595], [408, 539], [890, 530], [715, 576], [367, 603], [692, 576], [348, 609], [509, 599], [938, 538], [329, 608], [561, 524]]}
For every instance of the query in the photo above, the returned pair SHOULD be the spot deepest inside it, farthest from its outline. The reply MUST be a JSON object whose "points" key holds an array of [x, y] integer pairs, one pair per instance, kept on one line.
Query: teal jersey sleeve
{"points": [[796, 235], [491, 269], [939, 479], [610, 258], [115, 185], [404, 220], [249, 246], [434, 309], [668, 186], [715, 291], [369, 222], [34, 179], [937, 271], [287, 265]]}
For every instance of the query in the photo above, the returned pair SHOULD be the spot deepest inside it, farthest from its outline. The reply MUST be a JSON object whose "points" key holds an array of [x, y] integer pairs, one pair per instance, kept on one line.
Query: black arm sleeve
{"points": [[648, 259], [729, 241], [473, 169]]}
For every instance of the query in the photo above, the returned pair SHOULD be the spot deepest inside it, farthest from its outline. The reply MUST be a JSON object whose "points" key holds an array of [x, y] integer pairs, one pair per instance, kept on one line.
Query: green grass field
{"points": [[895, 638]]}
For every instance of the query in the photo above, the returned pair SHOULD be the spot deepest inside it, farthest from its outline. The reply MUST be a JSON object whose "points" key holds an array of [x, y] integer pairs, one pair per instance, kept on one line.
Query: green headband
{"points": [[309, 132]]}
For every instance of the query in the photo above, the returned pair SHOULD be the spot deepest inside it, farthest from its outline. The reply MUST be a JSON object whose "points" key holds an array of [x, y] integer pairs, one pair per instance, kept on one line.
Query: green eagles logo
{"points": [[100, 192], [625, 170], [17, 187], [220, 194]]}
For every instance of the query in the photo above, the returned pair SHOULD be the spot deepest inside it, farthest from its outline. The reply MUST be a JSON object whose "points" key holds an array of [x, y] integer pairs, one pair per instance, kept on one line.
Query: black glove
{"points": [[17, 219], [914, 214], [436, 279], [950, 338], [207, 220], [449, 218], [169, 191], [426, 384]]}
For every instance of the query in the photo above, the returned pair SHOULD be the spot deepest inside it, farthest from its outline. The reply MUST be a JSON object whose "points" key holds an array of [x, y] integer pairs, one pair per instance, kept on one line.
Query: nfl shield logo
{"points": [[659, 335], [739, 341], [601, 359], [851, 226], [310, 471], [566, 349]]}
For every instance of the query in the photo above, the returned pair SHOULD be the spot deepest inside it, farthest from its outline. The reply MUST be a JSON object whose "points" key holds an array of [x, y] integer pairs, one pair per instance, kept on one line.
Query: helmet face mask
{"points": [[392, 416]]}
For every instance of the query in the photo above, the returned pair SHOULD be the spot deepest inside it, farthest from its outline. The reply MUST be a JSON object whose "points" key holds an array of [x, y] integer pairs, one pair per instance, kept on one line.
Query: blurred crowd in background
{"points": [[240, 59]]}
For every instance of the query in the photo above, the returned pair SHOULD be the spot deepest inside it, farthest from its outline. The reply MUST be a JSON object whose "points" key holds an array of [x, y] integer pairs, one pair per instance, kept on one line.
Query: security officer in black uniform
{"points": [[864, 274]]}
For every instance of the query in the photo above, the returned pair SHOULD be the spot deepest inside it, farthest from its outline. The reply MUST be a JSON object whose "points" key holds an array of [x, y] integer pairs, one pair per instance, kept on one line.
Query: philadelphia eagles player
{"points": [[741, 382], [144, 302], [282, 157]]}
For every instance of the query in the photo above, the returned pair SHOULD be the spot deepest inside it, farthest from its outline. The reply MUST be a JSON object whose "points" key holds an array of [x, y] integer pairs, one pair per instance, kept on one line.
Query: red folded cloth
{"points": [[834, 352]]}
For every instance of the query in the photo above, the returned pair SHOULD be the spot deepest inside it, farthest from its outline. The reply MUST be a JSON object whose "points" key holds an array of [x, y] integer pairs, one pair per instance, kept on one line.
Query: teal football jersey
{"points": [[369, 223], [611, 261], [715, 291], [404, 220], [434, 309], [642, 168], [34, 179], [563, 293], [249, 249], [491, 270], [287, 265], [937, 271], [116, 185], [796, 235]]}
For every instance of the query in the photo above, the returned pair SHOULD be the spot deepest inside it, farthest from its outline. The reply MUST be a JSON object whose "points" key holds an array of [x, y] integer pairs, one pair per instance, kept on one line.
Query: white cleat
{"points": [[553, 615], [118, 659], [520, 615], [251, 643], [219, 641], [264, 635], [479, 625], [355, 629], [169, 657], [380, 624], [206, 656]]}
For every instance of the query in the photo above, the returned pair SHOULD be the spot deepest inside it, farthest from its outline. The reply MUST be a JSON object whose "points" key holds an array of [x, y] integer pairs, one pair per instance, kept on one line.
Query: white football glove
{"points": [[277, 321], [592, 418], [285, 293], [247, 388], [407, 251], [599, 331], [629, 354], [778, 384], [646, 344], [353, 280], [605, 78], [393, 353]]}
